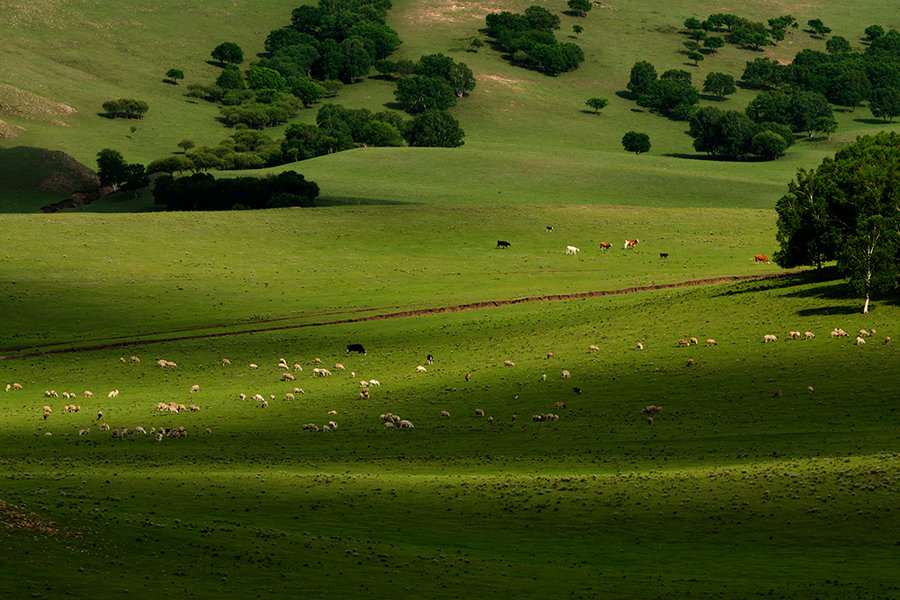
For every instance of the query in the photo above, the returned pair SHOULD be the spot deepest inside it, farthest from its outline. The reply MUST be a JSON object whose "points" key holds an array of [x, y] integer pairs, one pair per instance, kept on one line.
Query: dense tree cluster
{"points": [[732, 134], [204, 192], [128, 108], [529, 41], [669, 94], [848, 210], [736, 30], [116, 173], [436, 81], [844, 77]]}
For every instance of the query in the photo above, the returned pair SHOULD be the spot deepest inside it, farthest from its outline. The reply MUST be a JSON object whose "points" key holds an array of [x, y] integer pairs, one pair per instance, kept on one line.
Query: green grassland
{"points": [[734, 491]]}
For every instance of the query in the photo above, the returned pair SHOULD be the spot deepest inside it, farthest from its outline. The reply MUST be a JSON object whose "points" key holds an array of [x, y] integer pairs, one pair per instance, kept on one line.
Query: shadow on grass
{"points": [[350, 201], [872, 121], [827, 275]]}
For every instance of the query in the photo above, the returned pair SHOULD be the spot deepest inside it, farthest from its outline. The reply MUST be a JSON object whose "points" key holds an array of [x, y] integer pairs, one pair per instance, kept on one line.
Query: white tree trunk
{"points": [[866, 307]]}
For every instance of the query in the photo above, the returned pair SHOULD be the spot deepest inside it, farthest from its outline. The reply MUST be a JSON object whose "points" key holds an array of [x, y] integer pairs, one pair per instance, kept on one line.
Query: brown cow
{"points": [[605, 245], [758, 258]]}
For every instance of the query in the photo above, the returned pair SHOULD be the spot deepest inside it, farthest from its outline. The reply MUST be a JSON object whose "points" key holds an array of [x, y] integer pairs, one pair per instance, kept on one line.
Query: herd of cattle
{"points": [[503, 244]]}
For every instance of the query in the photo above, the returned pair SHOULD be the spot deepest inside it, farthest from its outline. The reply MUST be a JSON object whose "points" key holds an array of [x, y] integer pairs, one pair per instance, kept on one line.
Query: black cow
{"points": [[430, 359], [502, 244], [549, 228], [355, 348]]}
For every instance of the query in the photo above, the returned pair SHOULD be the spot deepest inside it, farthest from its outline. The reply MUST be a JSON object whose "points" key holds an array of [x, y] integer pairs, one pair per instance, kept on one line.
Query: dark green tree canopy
{"points": [[174, 75], [636, 142], [435, 128], [228, 52], [643, 76], [128, 108], [580, 7], [597, 103], [719, 85]]}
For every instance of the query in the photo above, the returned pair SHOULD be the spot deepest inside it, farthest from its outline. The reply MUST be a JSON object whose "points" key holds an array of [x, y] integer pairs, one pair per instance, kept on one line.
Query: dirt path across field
{"points": [[396, 315]]}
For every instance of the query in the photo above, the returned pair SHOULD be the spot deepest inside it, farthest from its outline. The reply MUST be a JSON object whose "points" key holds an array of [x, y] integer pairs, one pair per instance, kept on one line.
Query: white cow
{"points": [[571, 250]]}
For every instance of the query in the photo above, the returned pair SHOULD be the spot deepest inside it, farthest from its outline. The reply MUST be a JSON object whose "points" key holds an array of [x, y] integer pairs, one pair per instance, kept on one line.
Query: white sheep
{"points": [[195, 388], [593, 348], [405, 424], [508, 363], [711, 342], [135, 359], [289, 396], [479, 412], [113, 394], [254, 366], [374, 382], [639, 346], [566, 375], [694, 341], [287, 377], [769, 338], [88, 394], [388, 425], [544, 377], [194, 408], [225, 362], [332, 424], [572, 250], [860, 341], [794, 335], [298, 367], [17, 386], [299, 391], [809, 335], [339, 367], [421, 369], [864, 333], [445, 414]]}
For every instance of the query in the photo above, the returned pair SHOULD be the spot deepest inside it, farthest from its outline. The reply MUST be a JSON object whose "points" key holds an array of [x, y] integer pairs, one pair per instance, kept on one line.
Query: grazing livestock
{"points": [[794, 335], [195, 388], [254, 366], [358, 348], [572, 250], [630, 244], [577, 390], [388, 425], [593, 348], [430, 359], [809, 335], [711, 342], [225, 362], [560, 405], [299, 391], [310, 427], [682, 343], [776, 394], [405, 424], [113, 394], [838, 332], [421, 369], [649, 420], [339, 367], [864, 333], [694, 341], [479, 412], [809, 389], [566, 375], [549, 228], [88, 394], [860, 341], [651, 409], [17, 386], [639, 346], [289, 396], [887, 340], [135, 359], [544, 377], [194, 408], [445, 414], [287, 377], [121, 359], [491, 419], [468, 377], [664, 255], [502, 244], [689, 363], [374, 382], [758, 258], [508, 363], [605, 245], [769, 338]]}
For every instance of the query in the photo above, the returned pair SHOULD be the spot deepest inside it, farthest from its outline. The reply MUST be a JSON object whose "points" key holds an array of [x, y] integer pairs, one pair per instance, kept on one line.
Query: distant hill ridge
{"points": [[31, 178]]}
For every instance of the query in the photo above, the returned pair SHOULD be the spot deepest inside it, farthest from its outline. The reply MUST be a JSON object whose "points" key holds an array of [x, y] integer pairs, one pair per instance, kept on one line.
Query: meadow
{"points": [[772, 470]]}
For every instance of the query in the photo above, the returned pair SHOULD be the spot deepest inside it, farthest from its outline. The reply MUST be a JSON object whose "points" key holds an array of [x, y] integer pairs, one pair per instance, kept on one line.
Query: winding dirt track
{"points": [[400, 315]]}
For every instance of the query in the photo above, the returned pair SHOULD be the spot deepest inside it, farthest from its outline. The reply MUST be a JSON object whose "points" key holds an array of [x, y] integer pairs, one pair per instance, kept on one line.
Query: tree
{"points": [[885, 103], [230, 78], [768, 144], [719, 85], [597, 103], [826, 125], [379, 133], [643, 76], [806, 109], [580, 7], [174, 75], [577, 29], [722, 133], [186, 144], [636, 142], [541, 19], [692, 23], [763, 73], [128, 108], [115, 172], [837, 45], [695, 57], [666, 95], [228, 53], [418, 94], [435, 128], [849, 88], [847, 209], [261, 78], [874, 31], [713, 42], [772, 106], [818, 27]]}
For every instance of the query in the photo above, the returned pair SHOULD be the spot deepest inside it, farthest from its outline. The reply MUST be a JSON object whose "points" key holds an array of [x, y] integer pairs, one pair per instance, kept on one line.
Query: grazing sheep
{"points": [[169, 363], [287, 377], [682, 343], [694, 341], [159, 437], [405, 424], [468, 377], [566, 375], [838, 332], [84, 431], [445, 414], [572, 250], [514, 418], [8, 387], [162, 406], [809, 335], [860, 341], [318, 361], [479, 412], [593, 348], [809, 389], [491, 419], [265, 404], [364, 395], [639, 346], [113, 394], [577, 390], [544, 377], [194, 408], [310, 427], [65, 395], [689, 363], [332, 412], [135, 359], [711, 342], [508, 363], [887, 340], [254, 366], [298, 367], [339, 367], [386, 417], [388, 425], [17, 386], [259, 398], [776, 394], [161, 363], [225, 362], [374, 382], [284, 366], [794, 335], [560, 405], [324, 372], [140, 429], [649, 420], [99, 415], [289, 396], [769, 338], [651, 409], [299, 391], [421, 369], [104, 427], [326, 428], [332, 424], [195, 388], [429, 359], [121, 359], [864, 333]]}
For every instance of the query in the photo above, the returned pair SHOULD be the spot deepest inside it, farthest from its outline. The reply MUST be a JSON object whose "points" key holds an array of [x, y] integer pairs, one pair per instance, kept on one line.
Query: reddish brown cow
{"points": [[605, 245], [758, 258]]}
